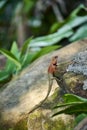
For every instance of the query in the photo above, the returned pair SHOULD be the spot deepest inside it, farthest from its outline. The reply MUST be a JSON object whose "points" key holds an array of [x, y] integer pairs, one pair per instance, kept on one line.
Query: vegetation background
{"points": [[20, 19], [32, 28]]}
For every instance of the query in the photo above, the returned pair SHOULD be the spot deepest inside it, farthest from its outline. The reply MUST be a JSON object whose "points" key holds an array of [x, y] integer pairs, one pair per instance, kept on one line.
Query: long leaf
{"points": [[10, 66], [14, 49], [80, 117], [66, 105], [25, 46], [44, 51], [10, 56], [77, 10], [68, 98], [74, 109], [72, 20], [4, 75], [28, 60], [51, 38], [80, 33], [2, 3]]}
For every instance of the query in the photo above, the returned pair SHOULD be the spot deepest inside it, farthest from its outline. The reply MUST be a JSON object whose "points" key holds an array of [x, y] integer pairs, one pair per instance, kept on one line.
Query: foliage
{"points": [[65, 30], [17, 60], [75, 22], [51, 38], [7, 35], [38, 18], [80, 117], [73, 104]]}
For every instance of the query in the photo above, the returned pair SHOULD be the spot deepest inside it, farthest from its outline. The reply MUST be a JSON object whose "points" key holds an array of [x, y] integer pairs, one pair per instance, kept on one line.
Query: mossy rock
{"points": [[21, 125], [16, 98], [74, 83], [42, 120]]}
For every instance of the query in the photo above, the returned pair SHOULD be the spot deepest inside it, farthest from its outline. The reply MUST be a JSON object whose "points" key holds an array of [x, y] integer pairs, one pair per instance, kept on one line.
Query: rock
{"points": [[76, 75], [30, 87], [82, 125], [41, 120]]}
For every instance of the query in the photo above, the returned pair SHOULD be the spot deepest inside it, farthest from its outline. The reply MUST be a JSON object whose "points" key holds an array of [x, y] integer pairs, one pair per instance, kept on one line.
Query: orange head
{"points": [[54, 60], [53, 65]]}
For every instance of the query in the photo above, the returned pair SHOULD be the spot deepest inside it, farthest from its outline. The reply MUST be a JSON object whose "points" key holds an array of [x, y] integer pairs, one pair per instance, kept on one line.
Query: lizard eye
{"points": [[55, 64], [56, 57]]}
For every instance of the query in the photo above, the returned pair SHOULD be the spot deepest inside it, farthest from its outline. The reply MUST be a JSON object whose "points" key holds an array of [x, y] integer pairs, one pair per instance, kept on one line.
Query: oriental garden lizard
{"points": [[51, 70]]}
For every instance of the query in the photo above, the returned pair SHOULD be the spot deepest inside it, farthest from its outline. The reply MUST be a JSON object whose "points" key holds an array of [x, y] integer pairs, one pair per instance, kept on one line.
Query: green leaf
{"points": [[73, 109], [73, 104], [74, 20], [28, 4], [44, 50], [10, 56], [77, 10], [80, 117], [28, 59], [25, 46], [14, 49], [10, 66], [4, 75], [66, 104], [68, 98], [2, 3], [24, 52], [71, 99], [80, 33], [51, 38]]}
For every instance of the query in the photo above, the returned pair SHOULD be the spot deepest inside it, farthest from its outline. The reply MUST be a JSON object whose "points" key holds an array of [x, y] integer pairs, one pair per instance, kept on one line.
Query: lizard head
{"points": [[54, 60]]}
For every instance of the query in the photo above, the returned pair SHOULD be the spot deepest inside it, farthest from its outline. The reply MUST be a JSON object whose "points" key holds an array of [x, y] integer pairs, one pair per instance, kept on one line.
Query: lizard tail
{"points": [[48, 92]]}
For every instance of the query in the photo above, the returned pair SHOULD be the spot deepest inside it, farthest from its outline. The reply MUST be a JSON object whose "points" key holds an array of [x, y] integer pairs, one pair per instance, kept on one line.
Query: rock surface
{"points": [[30, 86], [82, 125], [41, 120], [76, 76]]}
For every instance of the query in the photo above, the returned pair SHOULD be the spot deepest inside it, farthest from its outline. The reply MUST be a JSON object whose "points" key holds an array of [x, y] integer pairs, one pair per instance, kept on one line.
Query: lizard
{"points": [[51, 70]]}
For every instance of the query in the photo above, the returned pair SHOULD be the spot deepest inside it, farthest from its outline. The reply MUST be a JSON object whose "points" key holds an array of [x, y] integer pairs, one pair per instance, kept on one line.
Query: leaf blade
{"points": [[11, 57], [25, 46]]}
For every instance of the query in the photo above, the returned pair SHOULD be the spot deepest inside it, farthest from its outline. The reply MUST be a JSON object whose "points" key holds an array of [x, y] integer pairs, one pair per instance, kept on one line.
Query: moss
{"points": [[57, 124], [71, 79], [21, 125], [56, 98], [54, 125], [40, 120], [35, 120], [55, 94]]}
